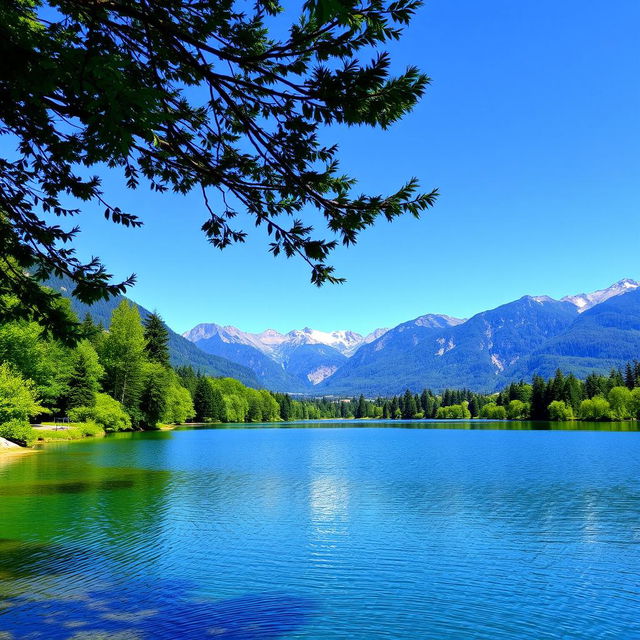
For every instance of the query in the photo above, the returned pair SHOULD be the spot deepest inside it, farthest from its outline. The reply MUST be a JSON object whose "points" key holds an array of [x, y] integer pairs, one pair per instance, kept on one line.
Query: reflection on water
{"points": [[326, 533], [474, 425]]}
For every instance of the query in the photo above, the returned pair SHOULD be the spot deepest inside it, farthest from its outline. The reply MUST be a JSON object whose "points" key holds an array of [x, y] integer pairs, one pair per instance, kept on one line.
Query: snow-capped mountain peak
{"points": [[585, 301], [275, 344]]}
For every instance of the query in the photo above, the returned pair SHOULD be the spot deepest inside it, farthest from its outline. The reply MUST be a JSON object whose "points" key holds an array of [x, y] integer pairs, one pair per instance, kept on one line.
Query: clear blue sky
{"points": [[530, 130]]}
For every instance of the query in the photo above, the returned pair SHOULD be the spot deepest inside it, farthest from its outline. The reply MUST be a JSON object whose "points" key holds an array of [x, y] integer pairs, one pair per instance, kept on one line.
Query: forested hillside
{"points": [[181, 351]]}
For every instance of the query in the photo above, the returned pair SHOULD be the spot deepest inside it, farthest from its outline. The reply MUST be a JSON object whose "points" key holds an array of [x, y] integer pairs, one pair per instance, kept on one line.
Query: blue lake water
{"points": [[323, 533]]}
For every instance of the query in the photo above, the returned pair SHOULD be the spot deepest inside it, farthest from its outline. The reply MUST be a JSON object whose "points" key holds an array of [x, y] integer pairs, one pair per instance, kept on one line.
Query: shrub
{"points": [[107, 413], [18, 431], [90, 428]]}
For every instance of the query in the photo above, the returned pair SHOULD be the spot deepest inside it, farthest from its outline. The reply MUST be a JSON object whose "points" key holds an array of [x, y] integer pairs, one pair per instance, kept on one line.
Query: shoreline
{"points": [[10, 449]]}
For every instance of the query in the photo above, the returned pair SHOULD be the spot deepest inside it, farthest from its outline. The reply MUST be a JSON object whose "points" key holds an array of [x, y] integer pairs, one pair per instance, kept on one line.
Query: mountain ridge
{"points": [[534, 334], [483, 352]]}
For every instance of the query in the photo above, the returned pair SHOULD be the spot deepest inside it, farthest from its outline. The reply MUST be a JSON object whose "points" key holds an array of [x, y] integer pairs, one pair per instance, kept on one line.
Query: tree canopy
{"points": [[224, 98]]}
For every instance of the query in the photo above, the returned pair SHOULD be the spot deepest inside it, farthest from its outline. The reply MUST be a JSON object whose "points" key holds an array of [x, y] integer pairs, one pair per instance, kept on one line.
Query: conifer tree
{"points": [[155, 391], [83, 381], [88, 329], [409, 408], [539, 402], [394, 408], [157, 339], [203, 400], [629, 377], [217, 406]]}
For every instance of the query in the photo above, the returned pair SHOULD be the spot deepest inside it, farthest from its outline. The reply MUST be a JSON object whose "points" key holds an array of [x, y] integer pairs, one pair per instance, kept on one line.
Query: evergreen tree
{"points": [[217, 407], [409, 408], [157, 339], [615, 379], [361, 408], [593, 385], [83, 381], [394, 408], [89, 330], [155, 391], [188, 379], [629, 377], [424, 402], [203, 400], [474, 407], [574, 392], [539, 402]]}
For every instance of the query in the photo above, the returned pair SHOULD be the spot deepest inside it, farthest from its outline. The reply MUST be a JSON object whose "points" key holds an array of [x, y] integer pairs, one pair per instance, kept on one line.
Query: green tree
{"points": [[107, 413], [492, 411], [559, 411], [596, 408], [188, 378], [619, 401], [178, 403], [191, 96], [574, 392], [84, 379], [203, 400], [89, 330], [156, 337], [454, 412], [18, 396], [409, 408], [122, 355], [155, 393], [44, 361], [634, 403], [517, 410], [539, 404]]}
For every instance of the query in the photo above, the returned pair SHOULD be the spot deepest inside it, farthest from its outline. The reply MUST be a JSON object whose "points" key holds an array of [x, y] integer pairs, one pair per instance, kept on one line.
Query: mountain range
{"points": [[580, 333], [532, 335], [292, 361]]}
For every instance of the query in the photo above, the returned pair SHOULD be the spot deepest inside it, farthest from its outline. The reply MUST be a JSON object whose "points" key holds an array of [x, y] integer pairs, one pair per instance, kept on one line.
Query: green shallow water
{"points": [[372, 530]]}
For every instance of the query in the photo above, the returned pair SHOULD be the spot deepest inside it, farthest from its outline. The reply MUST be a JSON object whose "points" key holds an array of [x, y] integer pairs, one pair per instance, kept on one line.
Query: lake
{"points": [[373, 531]]}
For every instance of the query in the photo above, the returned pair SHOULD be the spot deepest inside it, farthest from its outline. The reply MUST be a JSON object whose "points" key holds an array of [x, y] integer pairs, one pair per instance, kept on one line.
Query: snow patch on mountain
{"points": [[277, 345], [585, 301]]}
